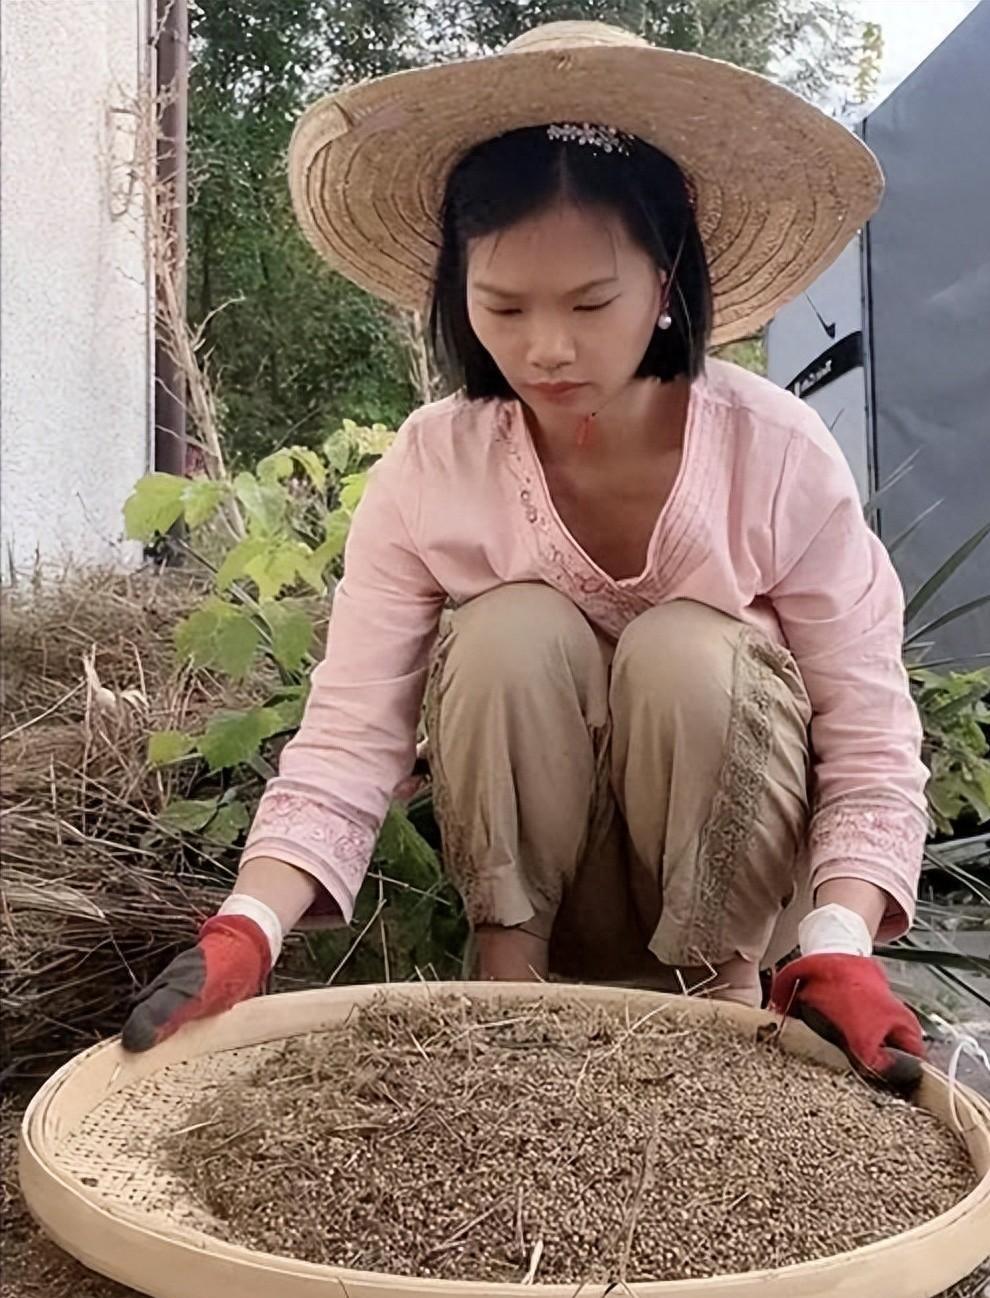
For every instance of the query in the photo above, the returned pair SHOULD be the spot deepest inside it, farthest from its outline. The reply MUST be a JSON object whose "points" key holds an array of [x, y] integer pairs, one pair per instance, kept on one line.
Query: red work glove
{"points": [[229, 963], [847, 1000]]}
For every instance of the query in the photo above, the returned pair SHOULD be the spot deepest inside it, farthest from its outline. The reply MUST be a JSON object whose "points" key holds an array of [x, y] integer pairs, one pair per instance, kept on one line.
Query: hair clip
{"points": [[606, 138]]}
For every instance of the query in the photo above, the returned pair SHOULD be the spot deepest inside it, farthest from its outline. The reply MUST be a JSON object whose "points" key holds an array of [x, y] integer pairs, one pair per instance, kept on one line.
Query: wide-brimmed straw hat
{"points": [[780, 186]]}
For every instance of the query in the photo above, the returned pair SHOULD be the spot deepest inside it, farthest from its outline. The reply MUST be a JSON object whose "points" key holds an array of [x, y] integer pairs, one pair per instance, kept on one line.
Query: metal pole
{"points": [[172, 83]]}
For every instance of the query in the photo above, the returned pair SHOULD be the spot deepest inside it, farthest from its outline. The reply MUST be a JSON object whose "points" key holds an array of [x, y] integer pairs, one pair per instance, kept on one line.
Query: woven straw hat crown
{"points": [[780, 186]]}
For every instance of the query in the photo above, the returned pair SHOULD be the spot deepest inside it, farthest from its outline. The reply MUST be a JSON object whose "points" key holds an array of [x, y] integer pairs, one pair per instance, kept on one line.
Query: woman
{"points": [[670, 732]]}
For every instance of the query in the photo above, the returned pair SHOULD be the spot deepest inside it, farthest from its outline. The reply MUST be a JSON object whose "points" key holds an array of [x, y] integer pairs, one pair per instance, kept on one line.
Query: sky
{"points": [[911, 30]]}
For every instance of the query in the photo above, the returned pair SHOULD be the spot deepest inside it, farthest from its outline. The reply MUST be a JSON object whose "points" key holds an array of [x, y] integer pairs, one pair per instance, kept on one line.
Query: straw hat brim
{"points": [[781, 186]]}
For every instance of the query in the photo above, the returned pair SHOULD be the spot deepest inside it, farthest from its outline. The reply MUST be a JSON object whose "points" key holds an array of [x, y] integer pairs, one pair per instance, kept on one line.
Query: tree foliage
{"points": [[294, 346]]}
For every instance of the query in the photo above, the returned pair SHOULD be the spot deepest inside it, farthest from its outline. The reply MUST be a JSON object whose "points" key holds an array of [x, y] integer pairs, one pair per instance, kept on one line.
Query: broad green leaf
{"points": [[265, 503], [323, 556], [351, 491], [336, 527], [312, 568], [237, 643], [289, 713], [166, 746], [338, 449], [374, 440], [278, 566], [195, 635], [292, 632], [970, 694], [154, 505], [200, 499], [944, 799], [188, 817], [228, 824], [982, 779], [219, 635], [235, 564], [408, 855], [969, 739], [234, 737], [312, 466], [275, 467]]}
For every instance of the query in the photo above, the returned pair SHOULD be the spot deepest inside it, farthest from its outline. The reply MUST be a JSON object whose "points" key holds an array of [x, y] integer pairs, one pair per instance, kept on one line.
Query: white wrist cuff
{"points": [[240, 903], [834, 930]]}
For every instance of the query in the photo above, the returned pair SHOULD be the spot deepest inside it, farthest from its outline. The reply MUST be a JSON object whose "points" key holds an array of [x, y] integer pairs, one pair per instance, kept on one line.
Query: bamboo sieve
{"points": [[88, 1180]]}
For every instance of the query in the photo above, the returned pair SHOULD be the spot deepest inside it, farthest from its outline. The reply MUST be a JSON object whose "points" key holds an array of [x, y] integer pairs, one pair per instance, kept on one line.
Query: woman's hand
{"points": [[847, 1000], [229, 963], [234, 955]]}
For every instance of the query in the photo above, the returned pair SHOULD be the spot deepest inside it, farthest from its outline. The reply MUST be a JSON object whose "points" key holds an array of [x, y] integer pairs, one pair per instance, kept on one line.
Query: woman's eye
{"points": [[595, 306], [505, 310]]}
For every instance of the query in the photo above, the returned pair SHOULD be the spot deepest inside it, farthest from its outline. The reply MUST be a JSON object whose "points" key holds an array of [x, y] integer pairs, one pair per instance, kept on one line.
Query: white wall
{"points": [[75, 305]]}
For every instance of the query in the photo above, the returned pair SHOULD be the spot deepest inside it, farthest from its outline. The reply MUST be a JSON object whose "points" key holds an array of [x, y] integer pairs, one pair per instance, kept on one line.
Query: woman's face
{"points": [[564, 298]]}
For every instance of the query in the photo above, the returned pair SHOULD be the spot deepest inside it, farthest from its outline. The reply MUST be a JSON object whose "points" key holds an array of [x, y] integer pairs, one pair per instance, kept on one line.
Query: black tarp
{"points": [[928, 318]]}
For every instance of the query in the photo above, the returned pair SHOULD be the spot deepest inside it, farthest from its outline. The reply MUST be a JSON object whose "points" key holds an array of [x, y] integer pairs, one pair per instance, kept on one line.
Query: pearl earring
{"points": [[665, 319]]}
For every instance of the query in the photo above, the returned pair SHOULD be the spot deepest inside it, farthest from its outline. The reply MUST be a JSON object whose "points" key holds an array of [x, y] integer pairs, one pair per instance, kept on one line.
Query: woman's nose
{"points": [[550, 348]]}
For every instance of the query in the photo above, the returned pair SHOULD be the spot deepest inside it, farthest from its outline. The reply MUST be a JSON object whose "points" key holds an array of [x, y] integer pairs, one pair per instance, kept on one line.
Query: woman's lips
{"points": [[556, 391]]}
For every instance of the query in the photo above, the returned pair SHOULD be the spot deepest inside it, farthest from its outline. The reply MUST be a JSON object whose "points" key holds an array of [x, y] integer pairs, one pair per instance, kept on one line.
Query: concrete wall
{"points": [[75, 299]]}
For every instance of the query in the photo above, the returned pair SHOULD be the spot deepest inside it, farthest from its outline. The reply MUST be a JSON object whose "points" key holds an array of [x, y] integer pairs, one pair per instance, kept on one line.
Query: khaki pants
{"points": [[642, 804]]}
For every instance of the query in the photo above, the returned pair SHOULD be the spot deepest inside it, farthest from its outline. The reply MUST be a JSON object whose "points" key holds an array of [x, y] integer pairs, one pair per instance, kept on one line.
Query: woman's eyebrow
{"points": [[482, 287]]}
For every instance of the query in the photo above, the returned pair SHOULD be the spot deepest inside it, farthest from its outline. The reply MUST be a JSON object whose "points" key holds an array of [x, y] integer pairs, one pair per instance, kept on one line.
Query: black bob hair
{"points": [[523, 173]]}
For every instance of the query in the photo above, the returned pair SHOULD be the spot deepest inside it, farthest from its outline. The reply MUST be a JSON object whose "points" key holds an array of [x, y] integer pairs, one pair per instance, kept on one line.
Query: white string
{"points": [[966, 1044]]}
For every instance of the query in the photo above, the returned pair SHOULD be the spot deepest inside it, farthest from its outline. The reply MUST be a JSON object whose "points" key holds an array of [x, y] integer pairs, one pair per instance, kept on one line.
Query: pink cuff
{"points": [[317, 834], [899, 914], [878, 839]]}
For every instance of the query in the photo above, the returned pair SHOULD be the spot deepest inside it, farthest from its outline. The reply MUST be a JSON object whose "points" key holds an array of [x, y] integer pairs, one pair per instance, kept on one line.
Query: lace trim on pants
{"points": [[726, 836]]}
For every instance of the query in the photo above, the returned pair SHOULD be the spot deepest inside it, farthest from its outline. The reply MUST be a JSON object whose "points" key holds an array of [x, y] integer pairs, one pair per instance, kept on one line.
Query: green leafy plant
{"points": [[954, 712], [268, 538], [272, 541], [953, 704]]}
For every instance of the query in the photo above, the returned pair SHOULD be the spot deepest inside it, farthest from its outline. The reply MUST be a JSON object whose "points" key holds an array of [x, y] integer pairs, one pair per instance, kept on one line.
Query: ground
{"points": [[33, 1267]]}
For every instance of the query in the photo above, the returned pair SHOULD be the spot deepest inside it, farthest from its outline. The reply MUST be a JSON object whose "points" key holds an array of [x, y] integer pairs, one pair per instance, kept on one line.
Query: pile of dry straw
{"points": [[95, 894]]}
